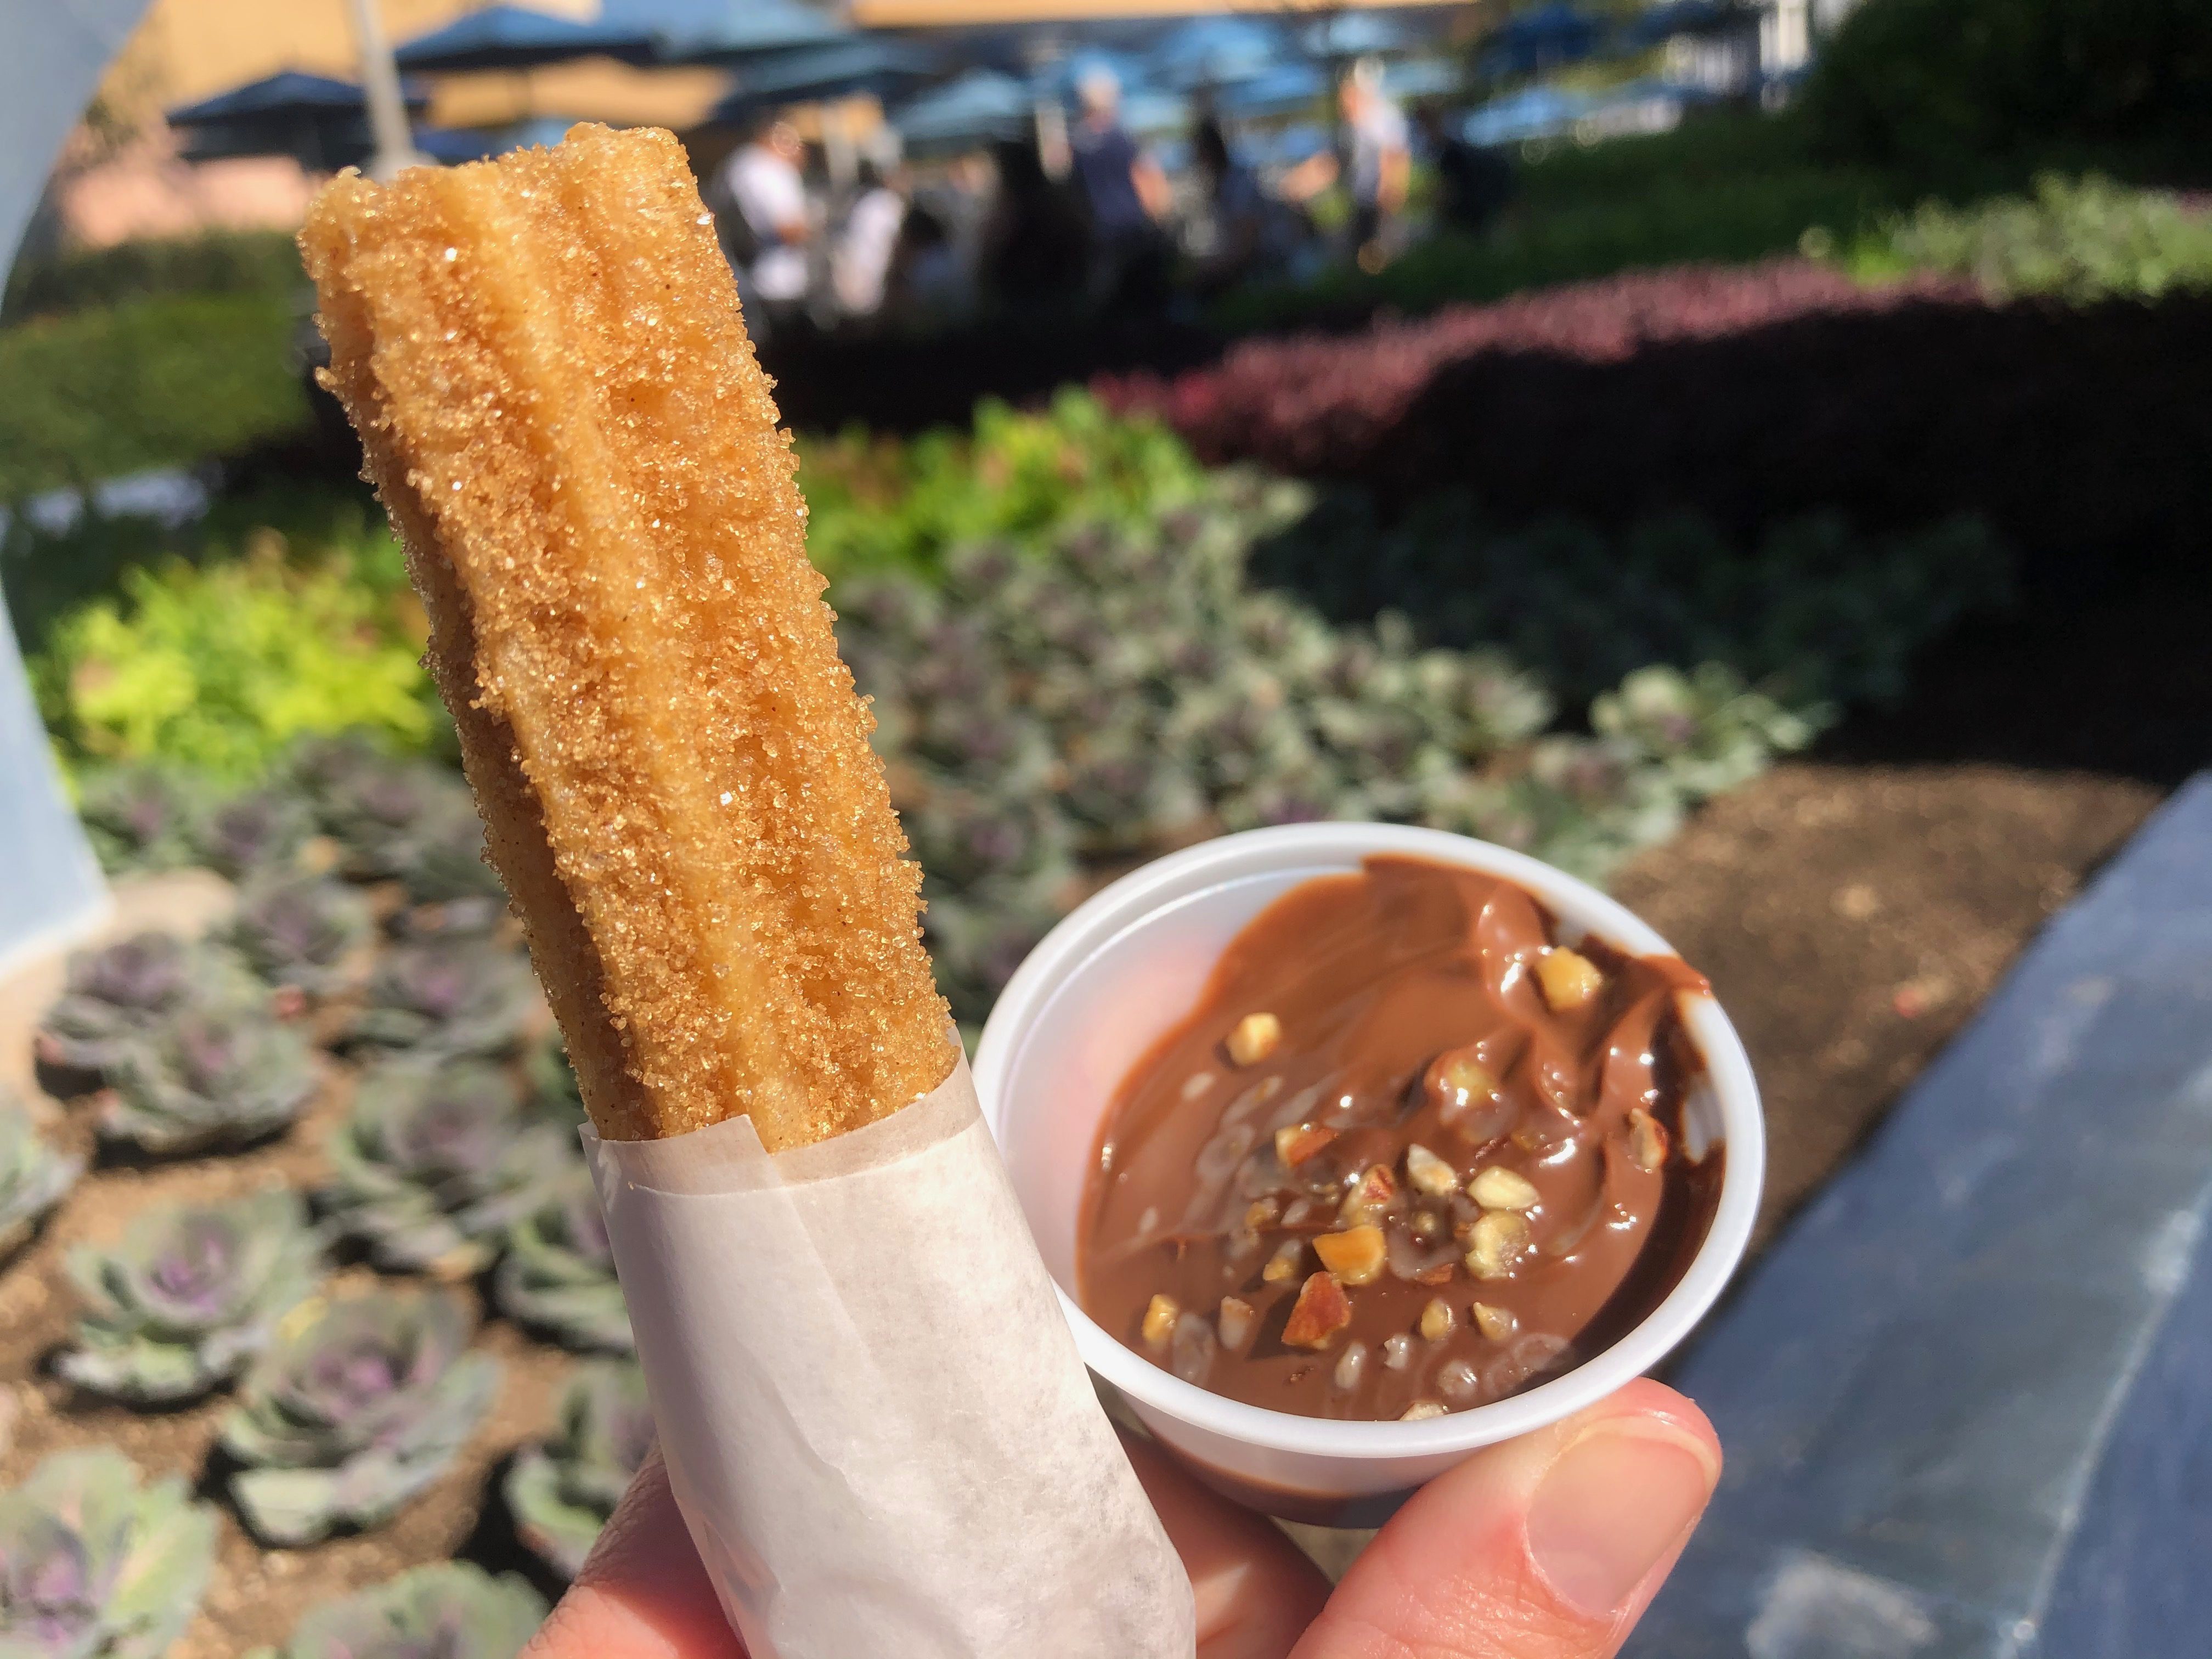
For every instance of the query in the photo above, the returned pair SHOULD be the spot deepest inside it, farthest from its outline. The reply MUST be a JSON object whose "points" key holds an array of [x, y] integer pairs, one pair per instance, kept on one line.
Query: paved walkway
{"points": [[1967, 1398]]}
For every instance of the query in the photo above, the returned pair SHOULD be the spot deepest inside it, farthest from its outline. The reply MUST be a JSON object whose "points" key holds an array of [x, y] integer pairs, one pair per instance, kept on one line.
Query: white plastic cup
{"points": [[1113, 977]]}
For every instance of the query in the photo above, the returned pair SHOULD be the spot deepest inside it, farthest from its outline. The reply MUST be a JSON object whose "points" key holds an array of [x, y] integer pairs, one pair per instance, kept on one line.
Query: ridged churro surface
{"points": [[544, 358]]}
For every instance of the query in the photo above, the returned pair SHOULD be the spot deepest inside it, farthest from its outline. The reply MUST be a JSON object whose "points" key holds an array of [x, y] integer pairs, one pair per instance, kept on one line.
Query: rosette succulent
{"points": [[33, 1175], [449, 996], [558, 1273], [189, 1294], [116, 994], [373, 804], [562, 1491], [262, 830], [437, 1159], [447, 1610], [139, 818], [219, 1074], [95, 1564], [349, 1416], [300, 932], [441, 863]]}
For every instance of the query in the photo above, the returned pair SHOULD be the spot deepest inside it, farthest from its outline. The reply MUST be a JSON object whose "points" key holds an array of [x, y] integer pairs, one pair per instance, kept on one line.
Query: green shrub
{"points": [[218, 668], [148, 383], [881, 502], [2083, 240], [1924, 82], [256, 262]]}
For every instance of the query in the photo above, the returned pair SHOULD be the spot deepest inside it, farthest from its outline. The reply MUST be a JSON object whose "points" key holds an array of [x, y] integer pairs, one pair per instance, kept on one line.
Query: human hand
{"points": [[1546, 1548]]}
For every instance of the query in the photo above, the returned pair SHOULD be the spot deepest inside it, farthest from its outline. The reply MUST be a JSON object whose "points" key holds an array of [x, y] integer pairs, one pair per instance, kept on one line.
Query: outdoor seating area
{"points": [[1744, 454]]}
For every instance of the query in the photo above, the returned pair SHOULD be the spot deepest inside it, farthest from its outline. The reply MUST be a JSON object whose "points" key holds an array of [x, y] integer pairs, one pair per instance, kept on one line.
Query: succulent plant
{"points": [[33, 1175], [437, 1159], [441, 862], [558, 1273], [189, 1294], [262, 830], [354, 1413], [446, 1610], [457, 996], [562, 1491], [139, 818], [116, 994], [300, 932], [209, 1073], [373, 804], [95, 1564]]}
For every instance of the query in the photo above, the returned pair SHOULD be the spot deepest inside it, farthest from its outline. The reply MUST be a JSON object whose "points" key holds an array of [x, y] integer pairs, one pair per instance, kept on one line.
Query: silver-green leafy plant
{"points": [[446, 1610], [562, 1491], [558, 1273], [375, 805], [346, 1417], [441, 865], [302, 932], [115, 995], [139, 817], [34, 1174], [189, 1295], [449, 996], [437, 1159], [96, 1564], [221, 1073], [553, 1086]]}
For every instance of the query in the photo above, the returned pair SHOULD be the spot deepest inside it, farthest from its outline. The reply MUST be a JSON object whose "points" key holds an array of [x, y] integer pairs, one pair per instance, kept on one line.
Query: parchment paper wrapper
{"points": [[875, 1418]]}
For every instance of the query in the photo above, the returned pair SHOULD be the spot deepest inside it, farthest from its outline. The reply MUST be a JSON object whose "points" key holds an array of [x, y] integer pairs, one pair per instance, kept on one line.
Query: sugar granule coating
{"points": [[545, 361]]}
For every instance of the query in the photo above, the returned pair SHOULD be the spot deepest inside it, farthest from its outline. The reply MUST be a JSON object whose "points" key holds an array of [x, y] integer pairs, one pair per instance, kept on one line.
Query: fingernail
{"points": [[1609, 1512]]}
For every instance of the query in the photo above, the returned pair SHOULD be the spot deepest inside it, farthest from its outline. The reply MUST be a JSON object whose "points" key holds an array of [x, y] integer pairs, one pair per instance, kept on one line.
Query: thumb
{"points": [[1546, 1548]]}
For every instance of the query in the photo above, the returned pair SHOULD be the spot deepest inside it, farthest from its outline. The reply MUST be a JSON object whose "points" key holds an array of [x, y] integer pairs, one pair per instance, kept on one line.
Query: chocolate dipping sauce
{"points": [[1409, 1153]]}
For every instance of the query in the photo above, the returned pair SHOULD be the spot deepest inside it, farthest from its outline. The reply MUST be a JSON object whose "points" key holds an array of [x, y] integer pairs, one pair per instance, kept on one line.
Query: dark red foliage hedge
{"points": [[1749, 394]]}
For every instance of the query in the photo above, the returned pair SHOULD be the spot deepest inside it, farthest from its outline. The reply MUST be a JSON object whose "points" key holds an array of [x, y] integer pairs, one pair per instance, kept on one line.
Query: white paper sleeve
{"points": [[872, 1412]]}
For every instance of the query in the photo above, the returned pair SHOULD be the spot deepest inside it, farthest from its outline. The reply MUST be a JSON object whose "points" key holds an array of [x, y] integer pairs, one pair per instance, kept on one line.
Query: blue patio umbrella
{"points": [[516, 37], [1359, 34], [1062, 78], [1421, 77], [1209, 52], [453, 145], [322, 122], [1550, 35], [1537, 112], [1655, 23], [980, 107], [864, 64], [1278, 91], [729, 31]]}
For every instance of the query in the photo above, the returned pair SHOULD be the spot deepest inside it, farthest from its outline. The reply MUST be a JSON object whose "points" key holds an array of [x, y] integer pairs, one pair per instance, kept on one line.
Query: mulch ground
{"points": [[1851, 917]]}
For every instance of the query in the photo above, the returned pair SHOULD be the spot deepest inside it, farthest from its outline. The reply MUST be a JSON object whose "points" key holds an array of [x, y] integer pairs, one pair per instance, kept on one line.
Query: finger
{"points": [[1546, 1548], [1256, 1591], [642, 1593]]}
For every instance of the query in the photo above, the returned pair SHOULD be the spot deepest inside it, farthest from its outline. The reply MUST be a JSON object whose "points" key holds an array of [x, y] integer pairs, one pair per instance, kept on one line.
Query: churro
{"points": [[562, 411]]}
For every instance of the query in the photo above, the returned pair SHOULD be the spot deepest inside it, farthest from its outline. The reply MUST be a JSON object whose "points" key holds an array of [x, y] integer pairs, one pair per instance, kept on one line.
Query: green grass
{"points": [[156, 382]]}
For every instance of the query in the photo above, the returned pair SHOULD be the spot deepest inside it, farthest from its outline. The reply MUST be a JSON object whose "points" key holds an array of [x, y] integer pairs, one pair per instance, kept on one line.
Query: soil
{"points": [[1851, 917]]}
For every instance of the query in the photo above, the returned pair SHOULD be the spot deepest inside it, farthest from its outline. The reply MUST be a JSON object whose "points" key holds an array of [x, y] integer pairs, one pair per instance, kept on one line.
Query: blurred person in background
{"points": [[1035, 251], [1382, 162], [861, 264], [1127, 195], [770, 224], [1230, 237], [1473, 184]]}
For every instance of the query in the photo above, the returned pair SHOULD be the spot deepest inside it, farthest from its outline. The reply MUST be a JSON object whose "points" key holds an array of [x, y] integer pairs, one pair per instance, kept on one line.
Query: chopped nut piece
{"points": [[1300, 1141], [1499, 1188], [1569, 979], [1439, 1274], [1456, 1080], [1190, 1356], [1263, 1213], [1429, 1173], [1459, 1383], [1350, 1366], [1283, 1266], [1369, 1196], [1436, 1321], [1495, 1323], [1421, 1409], [1321, 1311], [1236, 1321], [1425, 1225], [1196, 1084], [1160, 1316], [1397, 1350], [1647, 1139], [1496, 1243], [1255, 1038], [1355, 1255]]}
